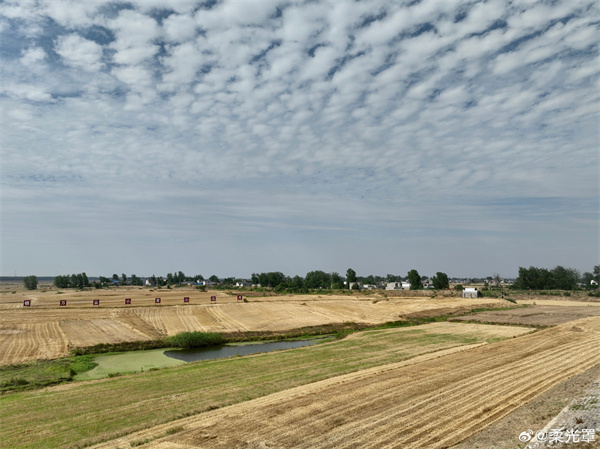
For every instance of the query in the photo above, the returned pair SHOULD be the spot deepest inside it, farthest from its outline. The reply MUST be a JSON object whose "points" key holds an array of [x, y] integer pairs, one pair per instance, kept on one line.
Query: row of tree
{"points": [[532, 278], [558, 278], [79, 280]]}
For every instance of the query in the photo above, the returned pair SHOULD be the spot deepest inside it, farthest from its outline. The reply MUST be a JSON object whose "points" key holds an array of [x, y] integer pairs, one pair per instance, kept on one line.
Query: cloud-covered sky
{"points": [[235, 137]]}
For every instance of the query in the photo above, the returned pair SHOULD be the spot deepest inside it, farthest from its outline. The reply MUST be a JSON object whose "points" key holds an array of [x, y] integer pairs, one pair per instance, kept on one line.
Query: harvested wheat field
{"points": [[123, 405], [425, 402], [536, 314], [46, 330]]}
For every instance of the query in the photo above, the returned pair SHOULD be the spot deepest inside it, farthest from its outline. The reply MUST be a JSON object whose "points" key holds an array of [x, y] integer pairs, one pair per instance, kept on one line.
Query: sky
{"points": [[228, 138]]}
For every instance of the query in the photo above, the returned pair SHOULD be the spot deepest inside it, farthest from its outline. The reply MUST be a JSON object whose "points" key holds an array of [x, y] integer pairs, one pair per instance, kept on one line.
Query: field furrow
{"points": [[369, 398], [90, 332], [430, 404]]}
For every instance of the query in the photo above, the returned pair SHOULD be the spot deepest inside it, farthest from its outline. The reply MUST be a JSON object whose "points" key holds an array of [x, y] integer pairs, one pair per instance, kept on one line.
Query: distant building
{"points": [[243, 284], [398, 286], [471, 292]]}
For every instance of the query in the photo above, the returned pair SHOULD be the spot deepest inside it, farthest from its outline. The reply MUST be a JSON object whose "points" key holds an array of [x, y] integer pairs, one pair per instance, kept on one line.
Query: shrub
{"points": [[190, 340], [30, 282]]}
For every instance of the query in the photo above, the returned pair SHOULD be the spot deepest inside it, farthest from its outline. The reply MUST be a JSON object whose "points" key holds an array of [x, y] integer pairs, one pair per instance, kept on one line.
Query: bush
{"points": [[30, 282], [459, 287], [190, 340]]}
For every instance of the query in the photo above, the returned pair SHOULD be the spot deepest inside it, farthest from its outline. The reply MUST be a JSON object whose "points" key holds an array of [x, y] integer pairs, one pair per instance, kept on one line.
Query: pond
{"points": [[139, 361], [224, 351]]}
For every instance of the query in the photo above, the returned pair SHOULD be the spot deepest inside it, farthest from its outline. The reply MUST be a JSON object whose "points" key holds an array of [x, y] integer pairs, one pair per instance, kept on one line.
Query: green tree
{"points": [[336, 281], [350, 276], [228, 281], [317, 279], [214, 278], [85, 280], [534, 278], [415, 280], [440, 281], [30, 282], [61, 281], [298, 284]]}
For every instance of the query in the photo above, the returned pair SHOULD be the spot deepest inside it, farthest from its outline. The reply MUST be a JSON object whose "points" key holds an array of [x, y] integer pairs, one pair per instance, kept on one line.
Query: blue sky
{"points": [[236, 137]]}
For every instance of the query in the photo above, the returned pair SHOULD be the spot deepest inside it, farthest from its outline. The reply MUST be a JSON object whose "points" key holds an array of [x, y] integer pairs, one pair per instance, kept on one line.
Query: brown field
{"points": [[536, 314], [46, 330], [432, 401], [437, 391]]}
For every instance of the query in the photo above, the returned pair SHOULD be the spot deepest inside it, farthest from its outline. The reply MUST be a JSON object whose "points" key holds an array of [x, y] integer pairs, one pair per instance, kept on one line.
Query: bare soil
{"points": [[536, 315]]}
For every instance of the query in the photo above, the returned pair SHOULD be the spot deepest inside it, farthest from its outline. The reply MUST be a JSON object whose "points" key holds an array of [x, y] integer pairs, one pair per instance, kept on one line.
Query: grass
{"points": [[38, 375], [86, 413]]}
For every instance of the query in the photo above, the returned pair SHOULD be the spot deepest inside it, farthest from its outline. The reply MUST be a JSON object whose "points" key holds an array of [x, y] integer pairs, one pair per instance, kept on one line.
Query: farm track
{"points": [[431, 404]]}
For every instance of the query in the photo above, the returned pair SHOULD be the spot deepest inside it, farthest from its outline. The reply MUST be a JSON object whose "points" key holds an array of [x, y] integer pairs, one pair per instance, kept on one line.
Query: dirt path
{"points": [[427, 403]]}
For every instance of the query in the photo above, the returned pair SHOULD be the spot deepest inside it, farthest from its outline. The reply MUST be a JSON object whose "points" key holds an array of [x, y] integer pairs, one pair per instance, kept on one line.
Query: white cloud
{"points": [[79, 52], [179, 28], [26, 92], [33, 56], [135, 37], [206, 113]]}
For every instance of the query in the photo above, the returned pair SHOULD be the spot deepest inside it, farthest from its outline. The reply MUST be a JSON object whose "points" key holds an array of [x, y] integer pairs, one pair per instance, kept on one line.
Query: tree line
{"points": [[557, 278], [532, 278]]}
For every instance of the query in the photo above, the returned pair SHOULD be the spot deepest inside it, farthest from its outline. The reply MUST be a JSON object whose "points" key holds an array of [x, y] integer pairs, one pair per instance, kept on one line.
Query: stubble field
{"points": [[429, 386], [45, 330]]}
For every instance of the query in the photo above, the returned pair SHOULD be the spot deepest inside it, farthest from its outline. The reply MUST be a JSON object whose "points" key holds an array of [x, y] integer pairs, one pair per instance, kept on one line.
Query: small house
{"points": [[471, 292]]}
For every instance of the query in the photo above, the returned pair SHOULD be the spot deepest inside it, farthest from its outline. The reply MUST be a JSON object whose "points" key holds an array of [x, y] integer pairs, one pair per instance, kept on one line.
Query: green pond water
{"points": [[140, 361]]}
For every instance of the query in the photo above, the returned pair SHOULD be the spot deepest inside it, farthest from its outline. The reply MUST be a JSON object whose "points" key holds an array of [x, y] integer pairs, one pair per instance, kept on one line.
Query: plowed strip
{"points": [[432, 404], [32, 341], [87, 333]]}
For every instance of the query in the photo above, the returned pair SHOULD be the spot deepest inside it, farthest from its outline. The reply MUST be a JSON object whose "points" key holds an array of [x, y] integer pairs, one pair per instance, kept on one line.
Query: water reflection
{"points": [[224, 351]]}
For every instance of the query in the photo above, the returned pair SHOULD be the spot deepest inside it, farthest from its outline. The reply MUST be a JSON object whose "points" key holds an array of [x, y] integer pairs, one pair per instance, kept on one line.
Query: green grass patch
{"points": [[42, 374]]}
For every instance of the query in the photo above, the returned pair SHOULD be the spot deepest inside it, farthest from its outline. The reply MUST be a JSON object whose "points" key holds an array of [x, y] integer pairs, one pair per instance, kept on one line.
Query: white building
{"points": [[471, 292], [398, 286]]}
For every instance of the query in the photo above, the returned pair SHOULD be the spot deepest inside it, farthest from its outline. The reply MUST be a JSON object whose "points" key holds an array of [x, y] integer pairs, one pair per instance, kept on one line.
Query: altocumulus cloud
{"points": [[231, 137]]}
